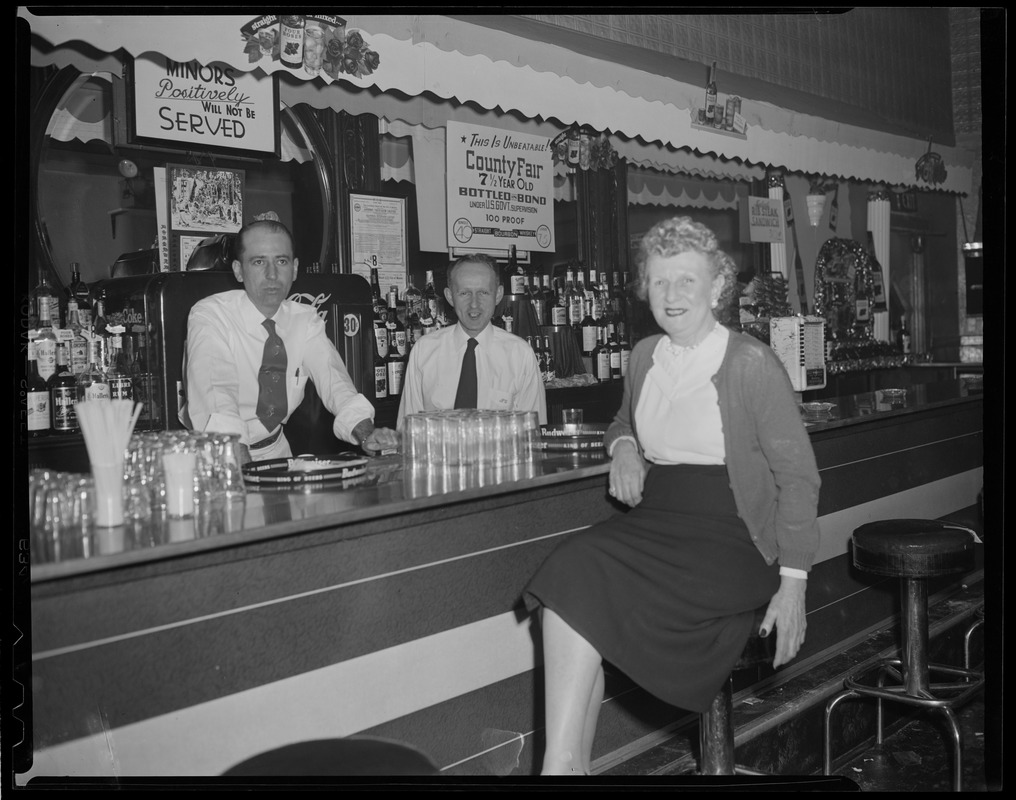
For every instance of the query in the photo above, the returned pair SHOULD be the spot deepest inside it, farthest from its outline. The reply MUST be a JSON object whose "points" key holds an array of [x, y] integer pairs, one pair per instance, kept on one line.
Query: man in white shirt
{"points": [[227, 334], [507, 373]]}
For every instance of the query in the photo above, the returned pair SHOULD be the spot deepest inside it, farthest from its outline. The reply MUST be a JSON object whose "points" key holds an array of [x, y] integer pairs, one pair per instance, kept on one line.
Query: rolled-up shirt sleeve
{"points": [[212, 377], [333, 384]]}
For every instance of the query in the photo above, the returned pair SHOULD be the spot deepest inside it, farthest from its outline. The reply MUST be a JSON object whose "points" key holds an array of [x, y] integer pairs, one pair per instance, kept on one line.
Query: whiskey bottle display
{"points": [[78, 346], [380, 372], [92, 383], [63, 394], [551, 368], [414, 311], [516, 275], [903, 336], [559, 311], [396, 329], [43, 295], [573, 300], [78, 291], [711, 96], [395, 364], [601, 359], [45, 344], [291, 33], [37, 398], [615, 358], [121, 386], [589, 333], [376, 300]]}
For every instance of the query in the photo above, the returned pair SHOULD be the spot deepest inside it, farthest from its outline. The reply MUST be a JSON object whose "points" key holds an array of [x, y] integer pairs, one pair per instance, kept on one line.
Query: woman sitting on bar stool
{"points": [[709, 450]]}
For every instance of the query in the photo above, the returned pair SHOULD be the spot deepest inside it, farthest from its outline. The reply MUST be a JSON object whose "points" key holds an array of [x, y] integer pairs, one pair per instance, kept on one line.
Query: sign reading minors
{"points": [[765, 219], [200, 105], [500, 189]]}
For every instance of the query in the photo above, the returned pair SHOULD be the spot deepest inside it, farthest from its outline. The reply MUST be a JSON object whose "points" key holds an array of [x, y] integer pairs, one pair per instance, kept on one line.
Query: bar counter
{"points": [[392, 607]]}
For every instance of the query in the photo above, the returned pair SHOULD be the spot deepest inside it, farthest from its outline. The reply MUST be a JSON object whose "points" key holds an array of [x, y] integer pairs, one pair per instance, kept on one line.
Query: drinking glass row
{"points": [[469, 437]]}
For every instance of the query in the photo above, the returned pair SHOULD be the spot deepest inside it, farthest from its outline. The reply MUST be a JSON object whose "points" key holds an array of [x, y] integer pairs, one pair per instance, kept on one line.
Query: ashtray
{"points": [[891, 394], [818, 408]]}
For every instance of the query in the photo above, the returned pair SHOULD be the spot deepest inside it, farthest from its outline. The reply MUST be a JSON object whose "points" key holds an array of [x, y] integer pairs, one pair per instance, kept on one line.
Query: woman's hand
{"points": [[786, 614], [627, 473]]}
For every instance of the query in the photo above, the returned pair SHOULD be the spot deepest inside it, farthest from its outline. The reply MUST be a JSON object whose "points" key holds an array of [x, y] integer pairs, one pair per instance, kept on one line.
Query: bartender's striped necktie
{"points": [[272, 401]]}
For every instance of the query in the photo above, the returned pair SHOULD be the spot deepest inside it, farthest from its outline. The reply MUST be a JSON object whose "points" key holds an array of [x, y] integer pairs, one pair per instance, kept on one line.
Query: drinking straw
{"points": [[107, 426]]}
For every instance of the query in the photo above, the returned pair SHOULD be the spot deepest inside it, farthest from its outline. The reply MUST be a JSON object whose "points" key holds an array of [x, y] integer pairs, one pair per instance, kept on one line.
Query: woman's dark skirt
{"points": [[666, 592]]}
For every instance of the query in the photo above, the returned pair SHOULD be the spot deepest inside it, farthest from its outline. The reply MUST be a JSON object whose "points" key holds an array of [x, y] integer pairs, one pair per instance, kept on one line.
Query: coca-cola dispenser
{"points": [[154, 308]]}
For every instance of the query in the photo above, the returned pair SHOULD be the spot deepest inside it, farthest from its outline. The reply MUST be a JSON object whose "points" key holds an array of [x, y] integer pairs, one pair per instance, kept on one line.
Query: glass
{"points": [[571, 416], [530, 433], [313, 50], [415, 445], [179, 464]]}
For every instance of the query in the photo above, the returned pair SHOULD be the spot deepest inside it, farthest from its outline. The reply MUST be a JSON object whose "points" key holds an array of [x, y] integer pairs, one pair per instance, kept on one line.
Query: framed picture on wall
{"points": [[201, 202]]}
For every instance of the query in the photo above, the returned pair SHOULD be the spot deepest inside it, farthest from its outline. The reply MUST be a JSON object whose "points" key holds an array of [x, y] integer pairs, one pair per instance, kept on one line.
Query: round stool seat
{"points": [[913, 548], [356, 755]]}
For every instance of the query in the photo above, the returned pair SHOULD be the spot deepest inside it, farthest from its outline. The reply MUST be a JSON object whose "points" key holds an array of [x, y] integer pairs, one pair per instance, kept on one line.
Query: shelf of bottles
{"points": [[76, 353], [576, 323]]}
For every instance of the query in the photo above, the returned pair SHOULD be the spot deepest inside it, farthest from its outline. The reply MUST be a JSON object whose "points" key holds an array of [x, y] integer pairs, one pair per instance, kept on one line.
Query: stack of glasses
{"points": [[469, 437]]}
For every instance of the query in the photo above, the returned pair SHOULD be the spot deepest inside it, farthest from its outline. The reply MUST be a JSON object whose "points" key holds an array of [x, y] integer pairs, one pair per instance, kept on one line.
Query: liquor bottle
{"points": [[615, 358], [535, 295], [78, 347], [573, 300], [551, 369], [625, 352], [380, 372], [711, 96], [549, 300], [516, 274], [903, 336], [414, 312], [92, 383], [63, 394], [99, 315], [601, 359], [45, 343], [121, 387], [434, 305], [602, 297], [43, 295], [36, 396], [291, 33], [559, 311], [395, 363], [616, 296], [589, 330], [508, 315], [878, 279], [375, 296], [78, 291], [145, 385], [396, 329]]}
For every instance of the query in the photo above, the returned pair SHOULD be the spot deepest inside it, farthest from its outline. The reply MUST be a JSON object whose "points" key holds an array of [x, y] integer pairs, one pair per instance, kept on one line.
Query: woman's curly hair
{"points": [[682, 235]]}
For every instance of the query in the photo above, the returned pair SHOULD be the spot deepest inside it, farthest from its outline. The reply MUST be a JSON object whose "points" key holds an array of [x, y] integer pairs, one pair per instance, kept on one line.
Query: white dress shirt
{"points": [[507, 373], [225, 344]]}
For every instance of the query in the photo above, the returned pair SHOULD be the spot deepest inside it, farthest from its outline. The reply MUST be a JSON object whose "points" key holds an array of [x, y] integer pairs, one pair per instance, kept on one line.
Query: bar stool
{"points": [[355, 755], [912, 550], [716, 724], [974, 626]]}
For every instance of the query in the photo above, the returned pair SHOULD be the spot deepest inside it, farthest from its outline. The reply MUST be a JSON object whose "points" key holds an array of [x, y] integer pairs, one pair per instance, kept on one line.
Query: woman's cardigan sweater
{"points": [[768, 452]]}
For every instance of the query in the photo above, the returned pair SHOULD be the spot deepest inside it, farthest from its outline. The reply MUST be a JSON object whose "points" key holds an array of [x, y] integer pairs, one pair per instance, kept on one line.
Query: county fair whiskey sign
{"points": [[212, 107]]}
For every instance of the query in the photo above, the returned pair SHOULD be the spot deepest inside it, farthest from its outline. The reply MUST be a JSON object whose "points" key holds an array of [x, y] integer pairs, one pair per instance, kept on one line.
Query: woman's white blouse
{"points": [[678, 412]]}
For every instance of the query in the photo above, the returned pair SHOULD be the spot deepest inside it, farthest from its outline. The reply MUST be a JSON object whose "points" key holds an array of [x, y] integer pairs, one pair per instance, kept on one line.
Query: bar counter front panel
{"points": [[393, 608]]}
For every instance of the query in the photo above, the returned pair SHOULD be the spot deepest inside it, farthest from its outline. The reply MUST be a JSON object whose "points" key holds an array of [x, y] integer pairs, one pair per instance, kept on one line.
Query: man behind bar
{"points": [[250, 352], [473, 364]]}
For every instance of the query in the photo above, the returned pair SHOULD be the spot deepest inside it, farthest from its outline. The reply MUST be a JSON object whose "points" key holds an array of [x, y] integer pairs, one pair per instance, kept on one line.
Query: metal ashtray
{"points": [[818, 408], [892, 394]]}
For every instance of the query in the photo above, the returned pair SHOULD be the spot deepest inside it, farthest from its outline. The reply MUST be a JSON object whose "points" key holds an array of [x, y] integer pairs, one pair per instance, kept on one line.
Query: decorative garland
{"points": [[583, 148], [843, 271]]}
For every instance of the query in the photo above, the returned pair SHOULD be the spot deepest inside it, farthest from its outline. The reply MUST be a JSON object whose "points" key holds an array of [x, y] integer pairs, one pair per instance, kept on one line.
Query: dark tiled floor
{"points": [[918, 757]]}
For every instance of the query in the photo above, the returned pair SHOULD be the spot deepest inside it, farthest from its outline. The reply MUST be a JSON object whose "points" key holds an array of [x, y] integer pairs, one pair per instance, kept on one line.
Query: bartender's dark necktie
{"points": [[272, 402], [465, 397]]}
